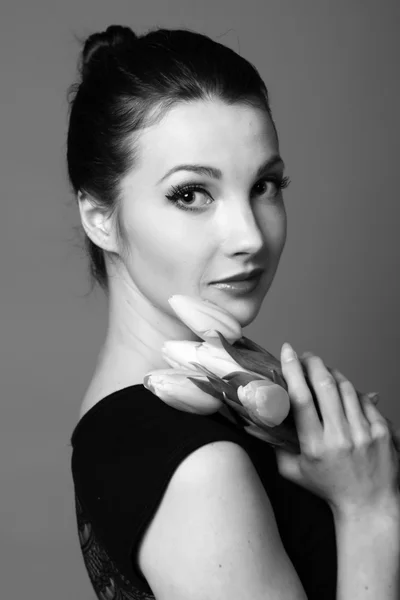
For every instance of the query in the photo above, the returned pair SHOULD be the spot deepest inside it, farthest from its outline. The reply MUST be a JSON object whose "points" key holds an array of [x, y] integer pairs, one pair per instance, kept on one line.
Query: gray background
{"points": [[332, 71]]}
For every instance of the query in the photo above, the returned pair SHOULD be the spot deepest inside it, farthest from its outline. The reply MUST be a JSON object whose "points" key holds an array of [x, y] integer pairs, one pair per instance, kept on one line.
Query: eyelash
{"points": [[178, 191]]}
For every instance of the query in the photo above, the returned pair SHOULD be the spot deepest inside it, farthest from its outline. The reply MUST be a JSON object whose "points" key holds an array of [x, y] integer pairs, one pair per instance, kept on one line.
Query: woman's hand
{"points": [[349, 459]]}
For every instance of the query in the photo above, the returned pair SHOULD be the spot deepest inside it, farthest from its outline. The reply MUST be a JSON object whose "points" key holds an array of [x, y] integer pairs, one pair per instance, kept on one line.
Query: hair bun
{"points": [[115, 36]]}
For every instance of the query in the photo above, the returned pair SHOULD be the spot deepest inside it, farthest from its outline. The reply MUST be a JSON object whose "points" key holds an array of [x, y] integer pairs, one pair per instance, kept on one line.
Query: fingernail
{"points": [[373, 396], [287, 352]]}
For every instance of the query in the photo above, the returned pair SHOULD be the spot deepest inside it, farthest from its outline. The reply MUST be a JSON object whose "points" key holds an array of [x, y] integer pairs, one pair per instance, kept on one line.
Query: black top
{"points": [[125, 451]]}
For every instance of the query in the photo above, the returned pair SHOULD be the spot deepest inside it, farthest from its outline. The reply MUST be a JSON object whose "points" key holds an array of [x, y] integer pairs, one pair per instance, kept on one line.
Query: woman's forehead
{"points": [[206, 131]]}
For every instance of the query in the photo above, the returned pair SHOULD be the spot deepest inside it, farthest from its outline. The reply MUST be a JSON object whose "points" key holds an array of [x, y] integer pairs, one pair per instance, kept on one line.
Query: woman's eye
{"points": [[271, 186], [182, 195]]}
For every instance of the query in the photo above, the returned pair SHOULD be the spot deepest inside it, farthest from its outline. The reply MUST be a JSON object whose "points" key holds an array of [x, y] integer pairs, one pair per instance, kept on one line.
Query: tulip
{"points": [[180, 353], [269, 401], [174, 387], [204, 317]]}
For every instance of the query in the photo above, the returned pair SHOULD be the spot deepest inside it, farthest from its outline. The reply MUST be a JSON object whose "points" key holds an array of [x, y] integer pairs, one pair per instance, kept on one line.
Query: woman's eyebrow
{"points": [[273, 161]]}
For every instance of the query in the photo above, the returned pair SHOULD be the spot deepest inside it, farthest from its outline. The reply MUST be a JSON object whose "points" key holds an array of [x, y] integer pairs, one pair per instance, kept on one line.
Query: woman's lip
{"points": [[244, 286], [257, 273], [232, 281]]}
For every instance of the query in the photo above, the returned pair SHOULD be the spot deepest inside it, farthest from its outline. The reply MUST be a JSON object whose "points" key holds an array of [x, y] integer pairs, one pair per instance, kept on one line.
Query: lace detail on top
{"points": [[106, 579]]}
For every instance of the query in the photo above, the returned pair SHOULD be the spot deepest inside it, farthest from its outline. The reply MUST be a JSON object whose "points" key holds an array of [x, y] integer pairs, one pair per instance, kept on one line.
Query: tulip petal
{"points": [[177, 390], [180, 352], [172, 363], [206, 387], [219, 364], [202, 316]]}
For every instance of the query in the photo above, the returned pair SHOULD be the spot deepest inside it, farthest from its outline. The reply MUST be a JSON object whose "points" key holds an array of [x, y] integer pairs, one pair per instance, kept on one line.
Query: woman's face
{"points": [[238, 221]]}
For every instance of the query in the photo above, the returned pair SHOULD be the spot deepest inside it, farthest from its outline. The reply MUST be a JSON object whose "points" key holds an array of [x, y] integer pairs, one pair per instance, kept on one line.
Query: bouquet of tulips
{"points": [[227, 370]]}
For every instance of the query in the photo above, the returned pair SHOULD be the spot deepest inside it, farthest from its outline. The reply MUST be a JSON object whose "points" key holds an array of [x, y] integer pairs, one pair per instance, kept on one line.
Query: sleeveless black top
{"points": [[125, 451]]}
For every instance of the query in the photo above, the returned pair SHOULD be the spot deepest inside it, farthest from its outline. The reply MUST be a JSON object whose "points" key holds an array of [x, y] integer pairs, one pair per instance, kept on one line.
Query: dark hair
{"points": [[129, 82]]}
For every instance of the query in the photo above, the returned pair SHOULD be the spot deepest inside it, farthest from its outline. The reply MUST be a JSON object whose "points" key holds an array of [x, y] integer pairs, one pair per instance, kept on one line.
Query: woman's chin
{"points": [[244, 309]]}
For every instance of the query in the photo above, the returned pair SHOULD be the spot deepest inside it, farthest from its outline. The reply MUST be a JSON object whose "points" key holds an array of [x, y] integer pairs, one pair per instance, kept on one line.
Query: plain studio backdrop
{"points": [[331, 67]]}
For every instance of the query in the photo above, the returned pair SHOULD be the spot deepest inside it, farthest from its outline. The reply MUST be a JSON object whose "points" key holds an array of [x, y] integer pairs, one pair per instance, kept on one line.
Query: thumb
{"points": [[289, 468], [288, 465]]}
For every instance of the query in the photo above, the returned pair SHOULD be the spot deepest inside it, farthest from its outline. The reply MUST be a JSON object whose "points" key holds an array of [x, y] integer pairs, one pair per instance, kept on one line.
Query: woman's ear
{"points": [[97, 223]]}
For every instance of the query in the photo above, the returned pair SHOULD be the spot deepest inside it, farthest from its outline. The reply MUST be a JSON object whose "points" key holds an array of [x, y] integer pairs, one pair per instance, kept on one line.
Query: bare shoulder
{"points": [[96, 391], [114, 371], [103, 385], [214, 534]]}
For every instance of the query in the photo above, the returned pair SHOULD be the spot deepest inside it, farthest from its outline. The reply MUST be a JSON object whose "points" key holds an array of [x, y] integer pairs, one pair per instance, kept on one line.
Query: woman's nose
{"points": [[241, 231]]}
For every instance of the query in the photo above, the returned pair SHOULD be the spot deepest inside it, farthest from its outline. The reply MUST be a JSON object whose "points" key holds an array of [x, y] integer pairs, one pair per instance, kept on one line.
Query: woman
{"points": [[174, 158]]}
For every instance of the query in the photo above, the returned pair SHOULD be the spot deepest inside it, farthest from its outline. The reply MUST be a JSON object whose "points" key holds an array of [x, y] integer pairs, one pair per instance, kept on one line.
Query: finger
{"points": [[359, 424], [308, 424], [373, 396], [328, 395], [356, 398], [378, 424], [395, 433], [381, 431], [288, 465]]}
